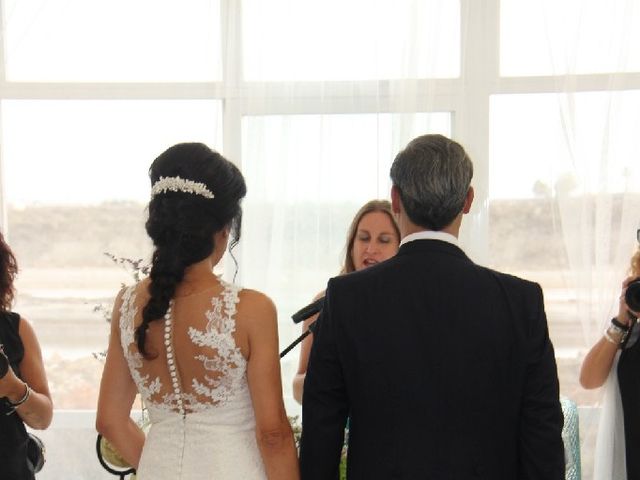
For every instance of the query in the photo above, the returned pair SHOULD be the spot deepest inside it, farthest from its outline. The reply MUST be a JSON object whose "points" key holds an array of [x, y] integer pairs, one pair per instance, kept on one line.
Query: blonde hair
{"points": [[634, 268]]}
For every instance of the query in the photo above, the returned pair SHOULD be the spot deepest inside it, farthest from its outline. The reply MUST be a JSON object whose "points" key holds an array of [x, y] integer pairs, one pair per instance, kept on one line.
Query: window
{"points": [[313, 100], [357, 40], [307, 176], [76, 187], [543, 37], [535, 154], [115, 41]]}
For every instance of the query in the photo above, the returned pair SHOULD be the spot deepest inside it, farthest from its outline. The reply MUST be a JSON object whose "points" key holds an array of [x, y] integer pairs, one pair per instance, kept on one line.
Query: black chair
{"points": [[112, 469]]}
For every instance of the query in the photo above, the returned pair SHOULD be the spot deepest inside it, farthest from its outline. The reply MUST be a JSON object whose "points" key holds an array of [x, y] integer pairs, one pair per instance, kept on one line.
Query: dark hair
{"points": [[371, 206], [182, 224], [432, 175], [8, 271]]}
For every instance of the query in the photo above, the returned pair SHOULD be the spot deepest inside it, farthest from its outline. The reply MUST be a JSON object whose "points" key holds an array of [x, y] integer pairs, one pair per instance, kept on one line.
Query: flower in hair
{"points": [[178, 184]]}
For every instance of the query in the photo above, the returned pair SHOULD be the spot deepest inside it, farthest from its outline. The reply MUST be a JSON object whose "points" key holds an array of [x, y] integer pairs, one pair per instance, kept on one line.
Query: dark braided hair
{"points": [[181, 224], [8, 271]]}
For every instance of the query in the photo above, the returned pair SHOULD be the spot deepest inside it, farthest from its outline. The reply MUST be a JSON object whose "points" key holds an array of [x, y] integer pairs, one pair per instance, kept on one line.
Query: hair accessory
{"points": [[178, 184]]}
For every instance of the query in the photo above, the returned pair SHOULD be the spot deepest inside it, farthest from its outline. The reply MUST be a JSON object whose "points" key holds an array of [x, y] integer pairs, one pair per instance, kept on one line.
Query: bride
{"points": [[202, 353]]}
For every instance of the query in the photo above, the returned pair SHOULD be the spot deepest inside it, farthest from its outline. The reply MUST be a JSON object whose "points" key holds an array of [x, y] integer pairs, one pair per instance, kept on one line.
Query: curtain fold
{"points": [[590, 50], [333, 91]]}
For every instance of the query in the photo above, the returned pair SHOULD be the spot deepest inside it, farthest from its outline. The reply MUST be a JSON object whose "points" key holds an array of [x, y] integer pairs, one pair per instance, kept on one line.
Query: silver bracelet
{"points": [[610, 339], [616, 329], [25, 397]]}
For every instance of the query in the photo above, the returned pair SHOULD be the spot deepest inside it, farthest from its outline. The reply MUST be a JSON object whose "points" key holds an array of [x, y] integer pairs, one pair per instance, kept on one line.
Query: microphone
{"points": [[308, 311], [301, 315]]}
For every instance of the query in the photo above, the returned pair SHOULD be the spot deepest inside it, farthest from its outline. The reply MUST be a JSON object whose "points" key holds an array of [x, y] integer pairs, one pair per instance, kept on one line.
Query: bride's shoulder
{"points": [[253, 303], [126, 292], [139, 291], [255, 298]]}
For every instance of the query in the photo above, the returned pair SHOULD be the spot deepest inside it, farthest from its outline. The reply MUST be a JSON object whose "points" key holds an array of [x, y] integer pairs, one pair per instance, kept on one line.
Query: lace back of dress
{"points": [[196, 362]]}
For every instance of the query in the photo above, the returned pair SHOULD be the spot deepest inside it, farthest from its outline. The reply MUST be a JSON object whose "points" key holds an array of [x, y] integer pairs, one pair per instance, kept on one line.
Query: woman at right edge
{"points": [[615, 361], [203, 353]]}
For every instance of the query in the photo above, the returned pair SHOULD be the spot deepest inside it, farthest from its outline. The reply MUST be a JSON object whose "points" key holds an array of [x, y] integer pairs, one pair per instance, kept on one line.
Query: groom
{"points": [[444, 368]]}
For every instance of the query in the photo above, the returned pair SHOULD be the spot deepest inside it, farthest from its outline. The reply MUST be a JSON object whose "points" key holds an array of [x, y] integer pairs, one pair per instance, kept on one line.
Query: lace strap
{"points": [[126, 313], [230, 299]]}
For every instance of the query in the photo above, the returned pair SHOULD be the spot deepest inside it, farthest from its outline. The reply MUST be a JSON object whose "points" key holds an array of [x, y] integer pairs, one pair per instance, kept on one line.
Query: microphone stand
{"points": [[299, 339], [301, 315]]}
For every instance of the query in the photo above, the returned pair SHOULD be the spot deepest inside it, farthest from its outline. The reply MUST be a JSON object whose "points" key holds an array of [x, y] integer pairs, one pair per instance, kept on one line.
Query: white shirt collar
{"points": [[430, 235]]}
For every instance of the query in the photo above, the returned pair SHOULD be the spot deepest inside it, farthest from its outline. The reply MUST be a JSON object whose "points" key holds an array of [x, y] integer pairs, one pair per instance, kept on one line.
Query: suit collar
{"points": [[431, 246], [430, 235]]}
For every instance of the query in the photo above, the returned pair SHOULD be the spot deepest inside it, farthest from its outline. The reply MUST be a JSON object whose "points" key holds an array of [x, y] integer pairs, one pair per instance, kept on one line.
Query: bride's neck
{"points": [[196, 276]]}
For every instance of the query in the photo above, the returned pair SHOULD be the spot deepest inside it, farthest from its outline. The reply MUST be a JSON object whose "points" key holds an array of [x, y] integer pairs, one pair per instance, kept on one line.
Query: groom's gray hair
{"points": [[432, 175]]}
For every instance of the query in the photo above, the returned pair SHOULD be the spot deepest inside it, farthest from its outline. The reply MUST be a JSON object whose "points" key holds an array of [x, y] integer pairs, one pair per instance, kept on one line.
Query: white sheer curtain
{"points": [[313, 100], [333, 90], [579, 135]]}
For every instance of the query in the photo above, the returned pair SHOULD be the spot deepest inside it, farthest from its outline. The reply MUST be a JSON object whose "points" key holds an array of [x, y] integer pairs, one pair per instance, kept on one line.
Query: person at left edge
{"points": [[24, 391]]}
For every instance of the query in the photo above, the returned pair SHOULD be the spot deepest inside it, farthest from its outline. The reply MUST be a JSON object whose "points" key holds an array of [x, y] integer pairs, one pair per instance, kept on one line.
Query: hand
{"points": [[624, 312]]}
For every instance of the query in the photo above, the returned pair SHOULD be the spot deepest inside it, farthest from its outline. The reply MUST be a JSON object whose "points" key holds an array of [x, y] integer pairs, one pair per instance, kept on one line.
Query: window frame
{"points": [[467, 98]]}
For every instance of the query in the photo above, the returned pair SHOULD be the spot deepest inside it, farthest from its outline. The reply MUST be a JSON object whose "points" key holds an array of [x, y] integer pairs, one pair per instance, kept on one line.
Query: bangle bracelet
{"points": [[614, 329], [25, 397], [610, 339], [620, 325]]}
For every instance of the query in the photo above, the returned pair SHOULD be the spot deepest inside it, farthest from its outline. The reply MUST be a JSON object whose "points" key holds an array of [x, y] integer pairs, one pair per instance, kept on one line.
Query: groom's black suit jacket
{"points": [[444, 368]]}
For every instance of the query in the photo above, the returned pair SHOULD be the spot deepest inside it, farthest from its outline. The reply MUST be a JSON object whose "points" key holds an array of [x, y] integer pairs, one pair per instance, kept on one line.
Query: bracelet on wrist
{"points": [[25, 397], [613, 335], [615, 330], [620, 325]]}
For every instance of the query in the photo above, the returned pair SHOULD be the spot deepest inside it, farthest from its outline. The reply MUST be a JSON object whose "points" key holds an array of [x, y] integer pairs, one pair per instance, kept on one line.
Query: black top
{"points": [[629, 381], [13, 435], [444, 367]]}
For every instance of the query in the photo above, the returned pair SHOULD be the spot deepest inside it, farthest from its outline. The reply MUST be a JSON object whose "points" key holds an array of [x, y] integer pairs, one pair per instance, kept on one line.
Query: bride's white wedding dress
{"points": [[195, 390]]}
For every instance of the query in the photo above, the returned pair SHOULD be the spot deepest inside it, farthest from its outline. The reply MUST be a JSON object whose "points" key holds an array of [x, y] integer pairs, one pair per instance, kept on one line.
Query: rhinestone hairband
{"points": [[178, 184]]}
